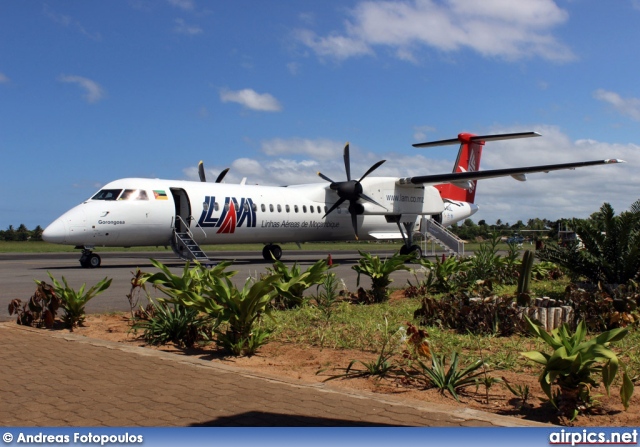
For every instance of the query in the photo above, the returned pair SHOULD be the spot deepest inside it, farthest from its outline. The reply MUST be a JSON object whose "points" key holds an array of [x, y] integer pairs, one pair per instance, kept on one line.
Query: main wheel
{"points": [[94, 261], [414, 250]]}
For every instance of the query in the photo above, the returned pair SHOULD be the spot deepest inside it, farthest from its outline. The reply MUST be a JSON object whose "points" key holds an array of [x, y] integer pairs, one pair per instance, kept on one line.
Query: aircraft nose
{"points": [[56, 232]]}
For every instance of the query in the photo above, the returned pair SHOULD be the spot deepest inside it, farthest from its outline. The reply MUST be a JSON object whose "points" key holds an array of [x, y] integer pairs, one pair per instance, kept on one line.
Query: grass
{"points": [[361, 327]]}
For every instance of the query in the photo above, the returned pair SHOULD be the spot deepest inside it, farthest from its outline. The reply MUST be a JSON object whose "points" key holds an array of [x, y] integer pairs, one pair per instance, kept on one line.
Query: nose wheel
{"points": [[90, 259]]}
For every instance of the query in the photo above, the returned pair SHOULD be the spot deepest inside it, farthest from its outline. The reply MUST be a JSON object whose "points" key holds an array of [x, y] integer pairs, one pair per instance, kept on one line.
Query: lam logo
{"points": [[233, 214]]}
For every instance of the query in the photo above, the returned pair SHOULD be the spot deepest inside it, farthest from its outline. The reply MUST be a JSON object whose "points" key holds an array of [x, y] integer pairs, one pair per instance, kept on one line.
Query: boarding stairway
{"points": [[186, 247], [437, 234]]}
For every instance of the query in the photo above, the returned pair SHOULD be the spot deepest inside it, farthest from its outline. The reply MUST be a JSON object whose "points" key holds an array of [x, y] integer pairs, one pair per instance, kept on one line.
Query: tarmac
{"points": [[55, 379]]}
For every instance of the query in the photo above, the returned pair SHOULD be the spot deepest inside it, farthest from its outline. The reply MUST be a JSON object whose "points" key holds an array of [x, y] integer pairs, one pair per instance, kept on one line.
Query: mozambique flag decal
{"points": [[160, 194]]}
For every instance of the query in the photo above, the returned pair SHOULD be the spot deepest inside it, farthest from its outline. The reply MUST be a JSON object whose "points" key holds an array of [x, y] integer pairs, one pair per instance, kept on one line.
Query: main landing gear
{"points": [[409, 248], [271, 252], [90, 259]]}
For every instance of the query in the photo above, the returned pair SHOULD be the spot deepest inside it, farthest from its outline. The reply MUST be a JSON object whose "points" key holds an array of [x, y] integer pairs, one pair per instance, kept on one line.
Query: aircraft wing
{"points": [[517, 173]]}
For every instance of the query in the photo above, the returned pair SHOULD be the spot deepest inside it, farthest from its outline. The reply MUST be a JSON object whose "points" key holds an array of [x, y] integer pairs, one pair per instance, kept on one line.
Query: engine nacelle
{"points": [[400, 199]]}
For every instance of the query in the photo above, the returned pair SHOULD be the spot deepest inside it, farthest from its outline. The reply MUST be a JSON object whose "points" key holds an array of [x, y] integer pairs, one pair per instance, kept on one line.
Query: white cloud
{"points": [[251, 100], [321, 149], [93, 92], [493, 28], [185, 5], [576, 193], [181, 27], [626, 106], [69, 22], [4, 79]]}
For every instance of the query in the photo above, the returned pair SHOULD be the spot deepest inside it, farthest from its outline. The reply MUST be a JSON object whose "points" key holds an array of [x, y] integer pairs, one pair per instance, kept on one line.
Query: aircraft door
{"points": [[183, 216]]}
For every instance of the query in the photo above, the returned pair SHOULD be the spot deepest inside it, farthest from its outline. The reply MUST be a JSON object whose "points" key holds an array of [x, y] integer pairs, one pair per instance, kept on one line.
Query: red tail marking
{"points": [[229, 223], [468, 161]]}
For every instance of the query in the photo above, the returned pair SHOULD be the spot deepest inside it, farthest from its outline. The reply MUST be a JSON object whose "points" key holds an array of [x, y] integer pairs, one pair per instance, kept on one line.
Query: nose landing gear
{"points": [[88, 259]]}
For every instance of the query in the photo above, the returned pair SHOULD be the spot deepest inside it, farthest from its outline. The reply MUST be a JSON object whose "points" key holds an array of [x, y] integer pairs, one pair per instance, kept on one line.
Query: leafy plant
{"points": [[573, 364], [41, 308], [197, 279], [235, 312], [379, 368], [380, 271], [294, 282], [73, 302], [476, 315], [451, 380], [602, 309], [327, 296], [609, 247], [162, 323], [241, 310], [444, 276], [520, 391]]}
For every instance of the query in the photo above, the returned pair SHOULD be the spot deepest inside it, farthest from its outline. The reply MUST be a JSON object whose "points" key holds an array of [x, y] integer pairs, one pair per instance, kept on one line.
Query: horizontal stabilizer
{"points": [[496, 137]]}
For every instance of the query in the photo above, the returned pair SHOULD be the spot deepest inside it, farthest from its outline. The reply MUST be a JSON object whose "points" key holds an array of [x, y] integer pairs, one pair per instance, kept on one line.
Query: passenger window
{"points": [[304, 208], [287, 209], [246, 206], [271, 208], [295, 208], [216, 206], [254, 207], [263, 207], [279, 209], [107, 194], [311, 209], [226, 206], [319, 209]]}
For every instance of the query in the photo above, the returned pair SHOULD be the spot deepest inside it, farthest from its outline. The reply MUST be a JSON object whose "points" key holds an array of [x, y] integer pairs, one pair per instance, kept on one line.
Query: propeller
{"points": [[203, 177], [350, 190]]}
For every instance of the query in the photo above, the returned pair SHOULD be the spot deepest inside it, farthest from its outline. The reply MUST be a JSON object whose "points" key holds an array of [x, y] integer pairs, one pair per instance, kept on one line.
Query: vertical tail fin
{"points": [[468, 160]]}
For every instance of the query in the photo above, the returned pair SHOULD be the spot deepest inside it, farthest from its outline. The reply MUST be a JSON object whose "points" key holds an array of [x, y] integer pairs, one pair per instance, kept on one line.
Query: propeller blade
{"points": [[322, 176], [222, 174], [347, 163], [335, 205], [369, 199], [203, 178], [371, 169]]}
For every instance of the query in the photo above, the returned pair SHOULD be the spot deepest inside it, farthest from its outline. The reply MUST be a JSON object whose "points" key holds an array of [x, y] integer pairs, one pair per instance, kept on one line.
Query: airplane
{"points": [[185, 214]]}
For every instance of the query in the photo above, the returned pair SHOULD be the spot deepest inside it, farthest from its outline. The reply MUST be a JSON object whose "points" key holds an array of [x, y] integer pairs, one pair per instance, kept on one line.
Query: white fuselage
{"points": [[145, 212]]}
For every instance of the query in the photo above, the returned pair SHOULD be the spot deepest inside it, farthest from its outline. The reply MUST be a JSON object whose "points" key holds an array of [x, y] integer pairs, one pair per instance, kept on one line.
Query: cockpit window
{"points": [[134, 194], [107, 194]]}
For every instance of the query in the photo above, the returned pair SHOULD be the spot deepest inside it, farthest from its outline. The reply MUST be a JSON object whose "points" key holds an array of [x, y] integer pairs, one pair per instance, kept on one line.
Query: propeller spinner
{"points": [[350, 190]]}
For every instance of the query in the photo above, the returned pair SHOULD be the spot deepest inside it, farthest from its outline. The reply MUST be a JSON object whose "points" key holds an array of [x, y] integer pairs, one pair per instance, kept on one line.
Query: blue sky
{"points": [[95, 91]]}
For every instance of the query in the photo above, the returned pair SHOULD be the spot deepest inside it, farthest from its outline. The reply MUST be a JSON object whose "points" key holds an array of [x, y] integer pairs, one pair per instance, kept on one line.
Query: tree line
{"points": [[22, 233], [534, 228]]}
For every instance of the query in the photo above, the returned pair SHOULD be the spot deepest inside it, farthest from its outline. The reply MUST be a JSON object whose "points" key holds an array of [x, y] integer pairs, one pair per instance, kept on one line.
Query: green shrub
{"points": [[41, 308], [73, 302], [293, 282], [380, 271], [162, 323], [574, 362]]}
